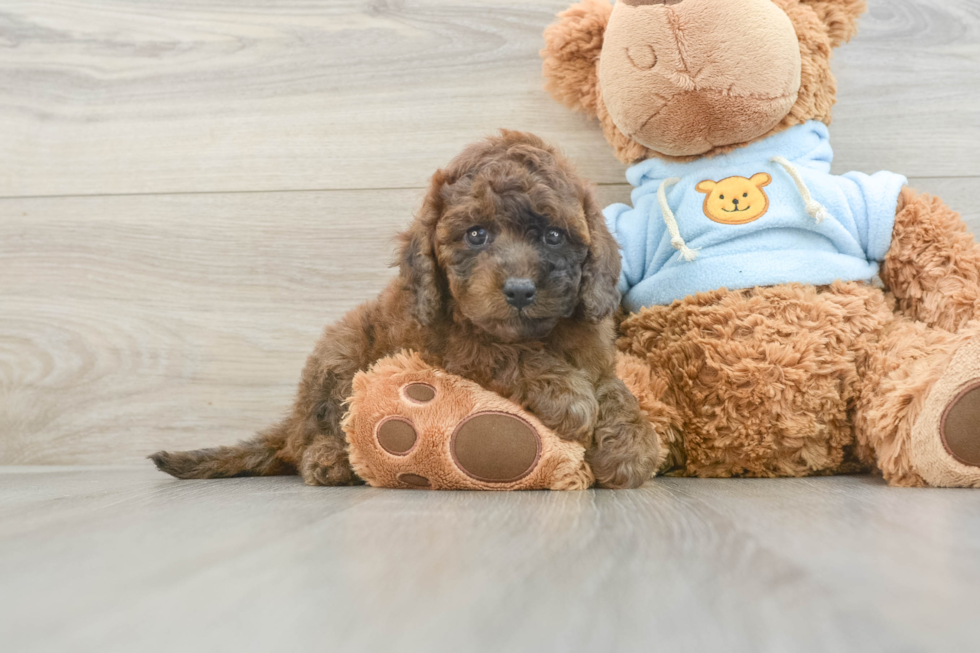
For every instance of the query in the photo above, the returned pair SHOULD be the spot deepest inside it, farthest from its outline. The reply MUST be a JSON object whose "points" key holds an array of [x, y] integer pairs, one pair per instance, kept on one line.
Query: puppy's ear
{"points": [[599, 296], [418, 267], [571, 54], [839, 16]]}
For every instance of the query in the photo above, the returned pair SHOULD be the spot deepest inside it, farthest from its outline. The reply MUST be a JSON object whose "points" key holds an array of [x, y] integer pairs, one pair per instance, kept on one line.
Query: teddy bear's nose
{"points": [[640, 3], [735, 202]]}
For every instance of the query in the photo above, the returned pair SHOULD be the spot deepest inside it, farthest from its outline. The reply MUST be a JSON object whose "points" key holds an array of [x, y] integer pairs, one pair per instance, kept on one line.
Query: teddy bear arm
{"points": [[933, 264]]}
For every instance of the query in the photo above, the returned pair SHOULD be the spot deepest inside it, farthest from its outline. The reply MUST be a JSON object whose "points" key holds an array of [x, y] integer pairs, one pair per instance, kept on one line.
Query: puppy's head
{"points": [[510, 239]]}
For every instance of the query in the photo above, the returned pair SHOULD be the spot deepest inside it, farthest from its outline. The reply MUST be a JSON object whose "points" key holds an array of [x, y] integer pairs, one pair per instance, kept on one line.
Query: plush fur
{"points": [[933, 267], [793, 380], [763, 379], [508, 207], [690, 77]]}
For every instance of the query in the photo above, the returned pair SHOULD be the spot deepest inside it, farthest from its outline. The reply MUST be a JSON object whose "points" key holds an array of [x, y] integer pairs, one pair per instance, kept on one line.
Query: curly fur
{"points": [[790, 380], [763, 379], [839, 16], [572, 47], [556, 356], [933, 266]]}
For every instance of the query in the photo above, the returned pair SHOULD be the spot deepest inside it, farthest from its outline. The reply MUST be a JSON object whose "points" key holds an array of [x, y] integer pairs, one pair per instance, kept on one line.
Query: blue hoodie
{"points": [[745, 222]]}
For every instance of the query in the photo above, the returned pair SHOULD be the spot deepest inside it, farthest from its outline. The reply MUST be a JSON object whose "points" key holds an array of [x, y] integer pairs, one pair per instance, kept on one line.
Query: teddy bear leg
{"points": [[410, 425], [933, 266], [918, 414]]}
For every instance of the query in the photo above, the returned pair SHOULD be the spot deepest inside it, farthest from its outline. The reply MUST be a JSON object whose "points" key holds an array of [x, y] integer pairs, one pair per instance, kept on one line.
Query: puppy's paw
{"points": [[570, 408], [617, 466], [413, 426], [577, 421], [325, 463]]}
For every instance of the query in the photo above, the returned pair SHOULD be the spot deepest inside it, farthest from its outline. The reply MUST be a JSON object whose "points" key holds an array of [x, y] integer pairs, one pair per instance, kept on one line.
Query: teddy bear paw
{"points": [[945, 443], [414, 426]]}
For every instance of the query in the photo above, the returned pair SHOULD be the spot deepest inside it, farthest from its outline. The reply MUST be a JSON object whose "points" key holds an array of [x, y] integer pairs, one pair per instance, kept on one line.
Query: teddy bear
{"points": [[794, 322], [778, 320]]}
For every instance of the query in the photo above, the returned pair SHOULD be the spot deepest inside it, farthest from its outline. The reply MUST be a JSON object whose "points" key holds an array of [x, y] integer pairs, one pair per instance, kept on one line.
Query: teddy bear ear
{"points": [[840, 17], [761, 179], [705, 186], [571, 54]]}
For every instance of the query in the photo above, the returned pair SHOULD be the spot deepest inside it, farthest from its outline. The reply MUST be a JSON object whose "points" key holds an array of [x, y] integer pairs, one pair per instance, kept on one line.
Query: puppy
{"points": [[508, 278]]}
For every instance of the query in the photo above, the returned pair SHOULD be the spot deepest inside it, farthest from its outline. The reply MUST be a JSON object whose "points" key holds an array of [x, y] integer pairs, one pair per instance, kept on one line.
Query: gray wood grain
{"points": [[127, 560], [135, 323], [119, 96]]}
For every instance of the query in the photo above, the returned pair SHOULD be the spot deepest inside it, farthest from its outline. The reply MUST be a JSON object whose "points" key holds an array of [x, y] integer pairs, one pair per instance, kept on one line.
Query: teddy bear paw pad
{"points": [[397, 436], [419, 393], [414, 480], [960, 426], [495, 447]]}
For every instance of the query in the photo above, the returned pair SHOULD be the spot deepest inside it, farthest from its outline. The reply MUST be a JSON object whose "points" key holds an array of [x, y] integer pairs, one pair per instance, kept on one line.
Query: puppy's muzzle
{"points": [[519, 292]]}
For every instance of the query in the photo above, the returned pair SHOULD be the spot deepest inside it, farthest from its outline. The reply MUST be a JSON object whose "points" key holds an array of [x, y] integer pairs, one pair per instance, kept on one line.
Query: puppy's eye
{"points": [[554, 237], [477, 237]]}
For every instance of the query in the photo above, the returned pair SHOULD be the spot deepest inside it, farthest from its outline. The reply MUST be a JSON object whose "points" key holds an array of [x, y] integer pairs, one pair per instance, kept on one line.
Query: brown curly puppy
{"points": [[508, 277]]}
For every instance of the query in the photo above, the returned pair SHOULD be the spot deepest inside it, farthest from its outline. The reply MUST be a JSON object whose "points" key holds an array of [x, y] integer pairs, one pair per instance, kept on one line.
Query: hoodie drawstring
{"points": [[676, 240], [814, 208]]}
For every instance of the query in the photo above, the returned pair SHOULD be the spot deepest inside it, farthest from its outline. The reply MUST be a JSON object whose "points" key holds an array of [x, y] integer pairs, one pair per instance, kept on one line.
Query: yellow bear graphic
{"points": [[736, 200]]}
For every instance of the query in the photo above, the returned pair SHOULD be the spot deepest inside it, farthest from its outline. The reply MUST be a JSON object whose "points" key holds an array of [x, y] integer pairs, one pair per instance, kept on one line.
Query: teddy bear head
{"points": [[683, 79]]}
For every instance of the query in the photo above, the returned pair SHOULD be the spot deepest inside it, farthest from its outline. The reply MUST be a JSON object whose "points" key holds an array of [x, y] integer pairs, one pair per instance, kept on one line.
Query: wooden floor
{"points": [[190, 189], [128, 560]]}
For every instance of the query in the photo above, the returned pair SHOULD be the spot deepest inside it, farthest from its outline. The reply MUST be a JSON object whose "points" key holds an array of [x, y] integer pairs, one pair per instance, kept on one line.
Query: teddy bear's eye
{"points": [[721, 197], [745, 194]]}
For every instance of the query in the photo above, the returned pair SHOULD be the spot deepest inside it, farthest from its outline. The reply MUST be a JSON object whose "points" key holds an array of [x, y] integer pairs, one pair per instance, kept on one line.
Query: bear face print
{"points": [[736, 200]]}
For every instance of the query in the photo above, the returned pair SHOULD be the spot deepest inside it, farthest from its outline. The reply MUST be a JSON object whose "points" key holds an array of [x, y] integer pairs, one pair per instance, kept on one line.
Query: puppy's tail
{"points": [[256, 457]]}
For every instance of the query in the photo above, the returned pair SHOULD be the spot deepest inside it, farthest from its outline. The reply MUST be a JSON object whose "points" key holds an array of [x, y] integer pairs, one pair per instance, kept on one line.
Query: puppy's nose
{"points": [[519, 292]]}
